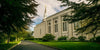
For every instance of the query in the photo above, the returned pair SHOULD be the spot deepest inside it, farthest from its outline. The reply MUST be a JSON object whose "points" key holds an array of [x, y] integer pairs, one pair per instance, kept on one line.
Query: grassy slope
{"points": [[4, 46], [72, 45]]}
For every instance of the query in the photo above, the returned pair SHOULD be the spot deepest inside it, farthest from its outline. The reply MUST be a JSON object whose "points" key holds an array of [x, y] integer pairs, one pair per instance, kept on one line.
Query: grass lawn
{"points": [[72, 45], [4, 46]]}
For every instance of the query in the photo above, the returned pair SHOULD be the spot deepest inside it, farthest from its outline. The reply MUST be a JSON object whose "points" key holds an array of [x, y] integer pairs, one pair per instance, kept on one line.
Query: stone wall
{"points": [[41, 29]]}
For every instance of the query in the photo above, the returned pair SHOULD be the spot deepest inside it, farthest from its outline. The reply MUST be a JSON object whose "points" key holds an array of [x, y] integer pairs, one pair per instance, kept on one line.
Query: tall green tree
{"points": [[15, 14], [88, 13]]}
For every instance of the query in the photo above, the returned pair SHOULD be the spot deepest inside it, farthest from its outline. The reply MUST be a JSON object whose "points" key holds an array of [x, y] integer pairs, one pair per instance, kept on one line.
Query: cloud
{"points": [[37, 20], [52, 7]]}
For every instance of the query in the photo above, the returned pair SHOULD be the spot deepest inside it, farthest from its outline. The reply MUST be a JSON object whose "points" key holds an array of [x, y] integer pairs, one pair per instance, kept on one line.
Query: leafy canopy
{"points": [[14, 14], [86, 13]]}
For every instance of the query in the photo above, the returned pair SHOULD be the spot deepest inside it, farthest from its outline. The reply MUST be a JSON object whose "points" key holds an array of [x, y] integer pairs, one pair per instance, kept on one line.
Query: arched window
{"points": [[56, 26], [65, 26], [49, 27]]}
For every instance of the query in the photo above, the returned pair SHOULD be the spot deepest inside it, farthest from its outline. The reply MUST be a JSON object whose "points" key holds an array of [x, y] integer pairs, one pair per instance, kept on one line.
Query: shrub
{"points": [[48, 37], [2, 40], [92, 40], [73, 38], [37, 38], [30, 38], [98, 39], [62, 38], [82, 38], [2, 37]]}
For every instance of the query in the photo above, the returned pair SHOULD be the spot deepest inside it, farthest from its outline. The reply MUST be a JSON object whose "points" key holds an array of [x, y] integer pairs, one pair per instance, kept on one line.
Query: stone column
{"points": [[52, 27], [59, 26]]}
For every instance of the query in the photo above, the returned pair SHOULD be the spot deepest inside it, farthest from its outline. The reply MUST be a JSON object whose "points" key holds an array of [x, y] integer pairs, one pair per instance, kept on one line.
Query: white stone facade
{"points": [[56, 26]]}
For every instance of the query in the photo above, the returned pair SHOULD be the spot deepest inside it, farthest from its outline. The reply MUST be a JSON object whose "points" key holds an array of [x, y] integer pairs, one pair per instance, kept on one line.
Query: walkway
{"points": [[27, 45]]}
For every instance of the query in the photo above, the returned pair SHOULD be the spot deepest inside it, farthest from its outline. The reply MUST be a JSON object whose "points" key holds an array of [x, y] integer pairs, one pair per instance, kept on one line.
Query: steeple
{"points": [[44, 19]]}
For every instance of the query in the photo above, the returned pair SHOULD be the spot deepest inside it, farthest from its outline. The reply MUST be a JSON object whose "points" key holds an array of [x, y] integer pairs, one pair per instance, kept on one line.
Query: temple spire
{"points": [[44, 19]]}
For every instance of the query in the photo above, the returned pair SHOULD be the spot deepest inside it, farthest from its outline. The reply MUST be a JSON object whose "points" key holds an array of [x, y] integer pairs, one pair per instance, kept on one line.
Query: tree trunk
{"points": [[94, 35], [8, 40], [16, 37]]}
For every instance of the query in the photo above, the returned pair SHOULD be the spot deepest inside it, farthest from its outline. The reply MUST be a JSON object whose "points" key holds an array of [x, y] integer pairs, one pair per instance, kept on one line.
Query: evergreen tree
{"points": [[87, 13], [14, 15]]}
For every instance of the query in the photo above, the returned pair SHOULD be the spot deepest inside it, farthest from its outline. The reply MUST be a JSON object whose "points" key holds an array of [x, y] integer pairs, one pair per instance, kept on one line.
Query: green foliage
{"points": [[48, 37], [2, 37], [98, 39], [14, 15], [90, 21], [37, 38], [2, 40], [4, 46], [71, 45], [29, 38], [12, 38], [62, 38], [17, 10], [92, 40], [81, 38], [73, 39]]}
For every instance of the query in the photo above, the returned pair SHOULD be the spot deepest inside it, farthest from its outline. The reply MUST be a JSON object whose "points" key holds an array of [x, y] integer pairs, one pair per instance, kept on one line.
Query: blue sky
{"points": [[52, 7]]}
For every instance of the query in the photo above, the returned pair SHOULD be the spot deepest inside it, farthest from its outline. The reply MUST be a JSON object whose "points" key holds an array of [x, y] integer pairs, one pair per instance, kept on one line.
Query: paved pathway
{"points": [[27, 45]]}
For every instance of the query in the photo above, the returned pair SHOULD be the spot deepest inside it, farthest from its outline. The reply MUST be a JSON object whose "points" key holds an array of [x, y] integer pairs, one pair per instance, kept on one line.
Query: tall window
{"points": [[49, 27], [64, 26], [56, 26]]}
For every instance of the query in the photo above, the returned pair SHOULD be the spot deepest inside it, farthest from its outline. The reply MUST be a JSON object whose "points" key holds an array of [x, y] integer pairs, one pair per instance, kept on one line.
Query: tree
{"points": [[32, 32], [87, 13], [2, 37], [14, 15]]}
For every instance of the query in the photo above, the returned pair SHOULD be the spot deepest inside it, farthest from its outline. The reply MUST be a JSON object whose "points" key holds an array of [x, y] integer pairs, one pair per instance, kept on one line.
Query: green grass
{"points": [[4, 46], [72, 45]]}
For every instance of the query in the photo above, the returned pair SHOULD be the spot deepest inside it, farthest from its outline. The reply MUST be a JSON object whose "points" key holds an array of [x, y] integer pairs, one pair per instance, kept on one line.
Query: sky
{"points": [[52, 7]]}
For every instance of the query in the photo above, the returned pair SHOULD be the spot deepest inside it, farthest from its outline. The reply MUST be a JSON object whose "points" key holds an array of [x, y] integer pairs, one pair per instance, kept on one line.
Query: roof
{"points": [[58, 12], [53, 15]]}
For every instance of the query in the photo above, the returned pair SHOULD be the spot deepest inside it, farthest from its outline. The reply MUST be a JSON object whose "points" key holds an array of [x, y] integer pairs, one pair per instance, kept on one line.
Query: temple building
{"points": [[56, 26]]}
